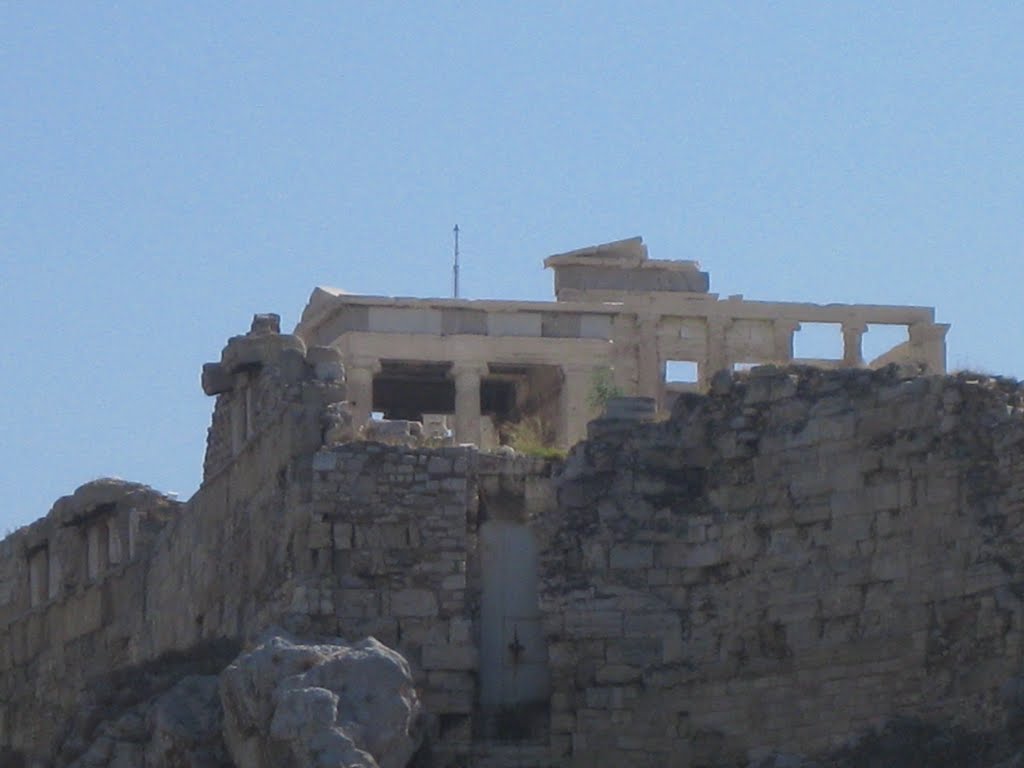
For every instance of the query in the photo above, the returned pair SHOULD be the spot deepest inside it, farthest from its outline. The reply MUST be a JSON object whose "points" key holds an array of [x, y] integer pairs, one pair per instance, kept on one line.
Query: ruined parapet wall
{"points": [[258, 377], [215, 570], [783, 563], [232, 551], [63, 582]]}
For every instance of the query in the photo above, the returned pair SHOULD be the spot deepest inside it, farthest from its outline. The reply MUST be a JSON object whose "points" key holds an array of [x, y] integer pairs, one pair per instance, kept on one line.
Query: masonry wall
{"points": [[783, 563], [185, 575], [788, 560], [348, 539], [72, 588]]}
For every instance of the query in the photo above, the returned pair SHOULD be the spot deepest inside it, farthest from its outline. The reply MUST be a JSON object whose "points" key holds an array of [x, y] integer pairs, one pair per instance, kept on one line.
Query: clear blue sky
{"points": [[168, 169]]}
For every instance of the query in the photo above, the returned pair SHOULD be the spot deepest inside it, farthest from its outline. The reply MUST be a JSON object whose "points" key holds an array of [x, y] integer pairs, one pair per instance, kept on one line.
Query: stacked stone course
{"points": [[391, 537], [56, 635], [784, 563]]}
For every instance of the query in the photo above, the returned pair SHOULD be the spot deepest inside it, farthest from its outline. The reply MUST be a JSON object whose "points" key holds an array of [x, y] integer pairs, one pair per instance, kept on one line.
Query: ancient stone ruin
{"points": [[794, 565], [650, 325]]}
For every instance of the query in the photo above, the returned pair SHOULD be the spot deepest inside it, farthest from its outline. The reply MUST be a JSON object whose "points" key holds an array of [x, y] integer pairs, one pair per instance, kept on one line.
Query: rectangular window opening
{"points": [[745, 366], [818, 341], [880, 339], [681, 372]]}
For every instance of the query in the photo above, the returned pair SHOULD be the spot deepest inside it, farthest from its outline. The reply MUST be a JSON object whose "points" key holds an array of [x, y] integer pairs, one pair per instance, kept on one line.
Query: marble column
{"points": [[467, 401], [783, 332], [716, 357], [359, 373], [650, 374], [928, 345], [853, 334], [574, 408]]}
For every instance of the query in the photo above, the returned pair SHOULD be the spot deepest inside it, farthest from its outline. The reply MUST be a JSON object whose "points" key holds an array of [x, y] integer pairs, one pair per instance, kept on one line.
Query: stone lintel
{"points": [[629, 251], [216, 380]]}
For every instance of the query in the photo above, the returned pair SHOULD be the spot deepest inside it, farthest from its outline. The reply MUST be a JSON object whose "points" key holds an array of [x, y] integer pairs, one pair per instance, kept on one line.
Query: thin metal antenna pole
{"points": [[455, 268]]}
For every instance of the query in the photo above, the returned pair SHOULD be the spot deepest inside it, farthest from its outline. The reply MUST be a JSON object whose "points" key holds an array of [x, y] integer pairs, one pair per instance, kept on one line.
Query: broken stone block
{"points": [[216, 379], [327, 363], [263, 349], [266, 323], [394, 431], [339, 423], [630, 408]]}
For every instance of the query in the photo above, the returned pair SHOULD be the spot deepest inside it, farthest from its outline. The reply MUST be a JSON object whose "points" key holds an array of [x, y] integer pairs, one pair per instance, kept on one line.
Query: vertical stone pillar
{"points": [[651, 376], [467, 401], [574, 410], [716, 356], [359, 373], [853, 334], [625, 353], [928, 345], [784, 330]]}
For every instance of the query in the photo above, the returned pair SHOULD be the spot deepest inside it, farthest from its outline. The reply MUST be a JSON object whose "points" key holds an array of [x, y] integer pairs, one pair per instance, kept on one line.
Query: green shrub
{"points": [[533, 437], [602, 389]]}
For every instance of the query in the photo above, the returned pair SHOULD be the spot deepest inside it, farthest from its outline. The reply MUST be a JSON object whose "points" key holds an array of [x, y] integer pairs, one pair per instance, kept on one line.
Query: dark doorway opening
{"points": [[498, 399], [404, 390]]}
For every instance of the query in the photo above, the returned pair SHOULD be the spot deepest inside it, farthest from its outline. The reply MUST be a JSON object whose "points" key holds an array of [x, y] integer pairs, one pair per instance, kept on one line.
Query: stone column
{"points": [[359, 373], [574, 410], [853, 333], [650, 374], [625, 348], [784, 330], [928, 345], [467, 401], [716, 356]]}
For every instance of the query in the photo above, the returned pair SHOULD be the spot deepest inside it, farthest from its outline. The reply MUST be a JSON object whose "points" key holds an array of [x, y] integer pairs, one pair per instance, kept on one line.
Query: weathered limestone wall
{"points": [[348, 539], [390, 532], [393, 552], [784, 562], [72, 587], [119, 575]]}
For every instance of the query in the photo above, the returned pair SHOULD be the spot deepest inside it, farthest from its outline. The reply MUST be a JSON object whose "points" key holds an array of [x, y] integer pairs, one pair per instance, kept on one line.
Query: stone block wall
{"points": [[260, 376], [783, 563], [66, 582], [393, 553], [391, 532], [118, 575]]}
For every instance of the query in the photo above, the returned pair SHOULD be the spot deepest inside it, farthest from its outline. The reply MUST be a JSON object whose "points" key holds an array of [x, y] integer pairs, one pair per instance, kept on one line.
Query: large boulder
{"points": [[326, 705]]}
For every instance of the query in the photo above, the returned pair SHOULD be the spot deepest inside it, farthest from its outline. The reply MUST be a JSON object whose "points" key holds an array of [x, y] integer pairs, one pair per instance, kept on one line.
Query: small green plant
{"points": [[533, 437], [602, 389]]}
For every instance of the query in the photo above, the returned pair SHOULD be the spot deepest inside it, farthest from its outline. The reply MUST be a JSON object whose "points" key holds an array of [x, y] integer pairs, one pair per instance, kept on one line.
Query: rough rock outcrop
{"points": [[330, 704], [180, 728]]}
